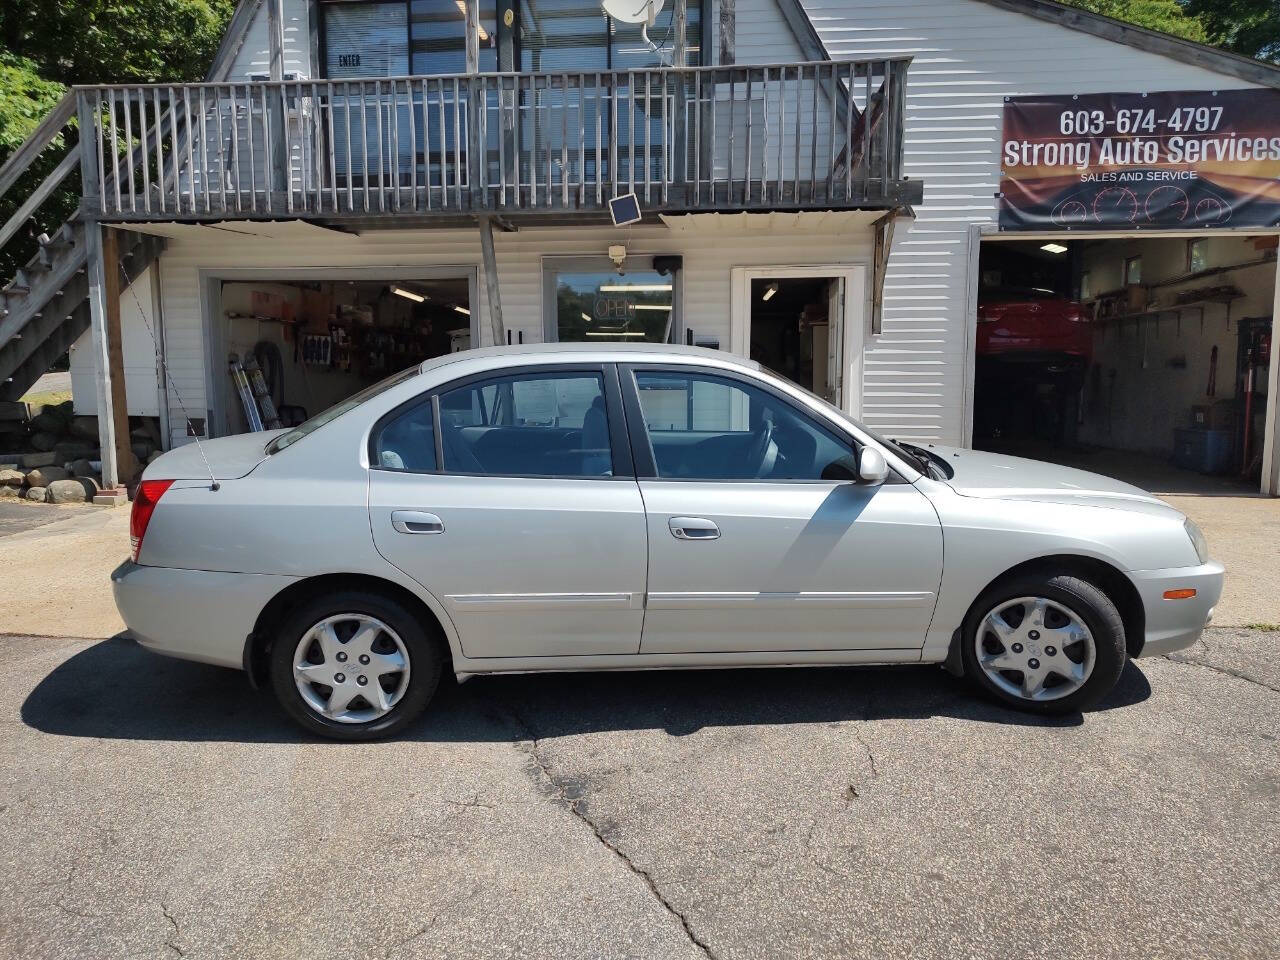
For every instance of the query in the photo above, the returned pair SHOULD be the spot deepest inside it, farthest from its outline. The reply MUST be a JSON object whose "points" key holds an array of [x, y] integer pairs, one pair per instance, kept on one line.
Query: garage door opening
{"points": [[318, 341], [1144, 358]]}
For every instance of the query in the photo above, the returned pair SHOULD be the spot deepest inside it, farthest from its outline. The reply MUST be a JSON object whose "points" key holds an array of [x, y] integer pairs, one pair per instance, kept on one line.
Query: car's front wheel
{"points": [[1048, 644], [354, 665]]}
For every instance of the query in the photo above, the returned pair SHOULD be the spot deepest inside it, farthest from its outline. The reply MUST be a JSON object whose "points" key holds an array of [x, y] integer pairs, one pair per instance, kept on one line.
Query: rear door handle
{"points": [[693, 528], [415, 521]]}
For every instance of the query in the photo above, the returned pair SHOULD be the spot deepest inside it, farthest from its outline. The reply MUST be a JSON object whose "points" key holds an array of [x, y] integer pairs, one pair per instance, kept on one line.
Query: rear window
{"points": [[338, 409]]}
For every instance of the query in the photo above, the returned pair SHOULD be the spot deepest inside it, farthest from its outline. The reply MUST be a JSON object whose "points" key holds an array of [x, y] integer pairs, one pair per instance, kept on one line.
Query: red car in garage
{"points": [[1029, 324]]}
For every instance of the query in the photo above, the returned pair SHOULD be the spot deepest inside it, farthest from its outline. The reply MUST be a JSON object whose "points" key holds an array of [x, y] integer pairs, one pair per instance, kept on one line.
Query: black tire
{"points": [[424, 650], [1082, 598]]}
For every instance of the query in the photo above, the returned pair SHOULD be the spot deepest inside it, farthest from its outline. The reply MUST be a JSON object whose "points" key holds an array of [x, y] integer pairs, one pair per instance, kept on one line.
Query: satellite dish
{"points": [[633, 11]]}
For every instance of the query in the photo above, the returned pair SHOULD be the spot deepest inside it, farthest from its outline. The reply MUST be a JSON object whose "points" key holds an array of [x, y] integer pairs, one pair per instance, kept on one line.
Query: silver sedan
{"points": [[621, 507]]}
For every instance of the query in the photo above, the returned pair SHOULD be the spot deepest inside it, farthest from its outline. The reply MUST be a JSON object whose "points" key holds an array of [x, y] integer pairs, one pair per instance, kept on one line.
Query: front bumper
{"points": [[1175, 624], [199, 615]]}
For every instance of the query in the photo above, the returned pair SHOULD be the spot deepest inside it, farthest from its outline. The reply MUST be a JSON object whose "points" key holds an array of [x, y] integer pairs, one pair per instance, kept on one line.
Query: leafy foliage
{"points": [[44, 48], [1167, 16], [1249, 27]]}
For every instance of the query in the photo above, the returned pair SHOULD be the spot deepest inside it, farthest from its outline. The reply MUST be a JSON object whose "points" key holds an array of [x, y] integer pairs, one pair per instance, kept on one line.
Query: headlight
{"points": [[1197, 540]]}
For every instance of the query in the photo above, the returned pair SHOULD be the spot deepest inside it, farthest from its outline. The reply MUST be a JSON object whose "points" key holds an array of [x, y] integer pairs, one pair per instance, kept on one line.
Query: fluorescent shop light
{"points": [[462, 310], [769, 291], [1054, 248], [407, 294], [636, 288]]}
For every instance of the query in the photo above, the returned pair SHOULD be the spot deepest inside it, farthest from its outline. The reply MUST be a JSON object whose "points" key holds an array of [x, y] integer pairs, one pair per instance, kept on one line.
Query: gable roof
{"points": [[1073, 18], [1150, 41], [232, 40]]}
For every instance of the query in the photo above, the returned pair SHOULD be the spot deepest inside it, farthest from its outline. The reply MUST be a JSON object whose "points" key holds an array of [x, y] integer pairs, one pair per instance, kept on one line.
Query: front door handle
{"points": [[693, 528], [415, 521]]}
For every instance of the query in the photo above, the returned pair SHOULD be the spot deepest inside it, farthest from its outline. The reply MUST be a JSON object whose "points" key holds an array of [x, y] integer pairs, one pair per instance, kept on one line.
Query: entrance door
{"points": [[511, 499], [751, 548], [804, 324]]}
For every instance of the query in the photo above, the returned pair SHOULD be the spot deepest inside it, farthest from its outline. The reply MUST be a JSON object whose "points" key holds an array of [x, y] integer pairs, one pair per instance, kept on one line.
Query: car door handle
{"points": [[693, 528], [415, 521]]}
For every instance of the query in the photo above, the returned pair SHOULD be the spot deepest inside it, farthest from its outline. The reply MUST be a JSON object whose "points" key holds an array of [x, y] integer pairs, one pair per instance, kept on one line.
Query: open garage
{"points": [[1141, 356]]}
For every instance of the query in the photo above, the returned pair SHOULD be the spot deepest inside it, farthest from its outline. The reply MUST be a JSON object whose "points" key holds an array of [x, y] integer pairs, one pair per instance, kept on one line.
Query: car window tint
{"points": [[704, 427], [535, 425], [407, 442]]}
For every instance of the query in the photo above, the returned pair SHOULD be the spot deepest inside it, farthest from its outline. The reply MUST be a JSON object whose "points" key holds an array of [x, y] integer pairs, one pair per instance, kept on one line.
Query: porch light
{"points": [[462, 310], [636, 288], [770, 290], [408, 294], [1053, 248]]}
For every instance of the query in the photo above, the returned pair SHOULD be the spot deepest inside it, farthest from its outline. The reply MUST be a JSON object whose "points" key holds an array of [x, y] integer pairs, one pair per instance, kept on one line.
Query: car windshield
{"points": [[338, 409]]}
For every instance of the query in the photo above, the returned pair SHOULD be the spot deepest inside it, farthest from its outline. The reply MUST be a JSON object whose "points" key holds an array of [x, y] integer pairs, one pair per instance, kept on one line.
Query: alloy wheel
{"points": [[1035, 648], [351, 668]]}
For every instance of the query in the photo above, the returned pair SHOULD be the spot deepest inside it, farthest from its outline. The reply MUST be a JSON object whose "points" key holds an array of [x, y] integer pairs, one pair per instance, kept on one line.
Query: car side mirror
{"points": [[872, 468]]}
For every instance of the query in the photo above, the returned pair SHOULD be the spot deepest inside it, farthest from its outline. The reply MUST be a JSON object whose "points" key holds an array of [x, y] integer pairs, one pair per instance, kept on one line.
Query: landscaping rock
{"points": [[43, 476], [38, 494], [86, 428], [66, 491], [48, 421], [33, 460], [141, 449], [44, 441], [10, 492], [81, 468], [73, 450], [12, 478]]}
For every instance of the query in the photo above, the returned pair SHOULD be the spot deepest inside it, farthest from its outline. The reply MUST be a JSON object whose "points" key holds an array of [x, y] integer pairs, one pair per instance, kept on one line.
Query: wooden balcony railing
{"points": [[785, 136]]}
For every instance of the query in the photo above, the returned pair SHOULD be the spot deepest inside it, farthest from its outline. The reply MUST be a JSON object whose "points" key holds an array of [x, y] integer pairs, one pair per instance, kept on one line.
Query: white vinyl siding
{"points": [[253, 58]]}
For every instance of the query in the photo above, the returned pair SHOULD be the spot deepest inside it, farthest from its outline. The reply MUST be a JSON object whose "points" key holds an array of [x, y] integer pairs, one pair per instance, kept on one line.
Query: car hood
{"points": [[228, 458], [994, 475]]}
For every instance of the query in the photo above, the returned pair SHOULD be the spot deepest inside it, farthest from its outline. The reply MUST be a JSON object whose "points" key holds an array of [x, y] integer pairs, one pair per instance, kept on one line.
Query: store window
{"points": [[1197, 255], [591, 302]]}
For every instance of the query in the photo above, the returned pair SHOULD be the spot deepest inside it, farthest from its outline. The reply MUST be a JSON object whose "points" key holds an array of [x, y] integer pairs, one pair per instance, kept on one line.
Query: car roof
{"points": [[598, 352]]}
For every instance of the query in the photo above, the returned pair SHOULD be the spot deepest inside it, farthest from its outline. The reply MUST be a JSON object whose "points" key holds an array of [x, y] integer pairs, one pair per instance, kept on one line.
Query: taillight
{"points": [[144, 504]]}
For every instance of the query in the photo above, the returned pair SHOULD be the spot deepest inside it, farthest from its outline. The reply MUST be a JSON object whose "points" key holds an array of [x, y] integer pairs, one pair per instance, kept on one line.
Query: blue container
{"points": [[1205, 451]]}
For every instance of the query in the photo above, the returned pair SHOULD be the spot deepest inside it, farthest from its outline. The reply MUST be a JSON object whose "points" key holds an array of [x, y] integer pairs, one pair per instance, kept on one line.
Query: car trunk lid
{"points": [[227, 458]]}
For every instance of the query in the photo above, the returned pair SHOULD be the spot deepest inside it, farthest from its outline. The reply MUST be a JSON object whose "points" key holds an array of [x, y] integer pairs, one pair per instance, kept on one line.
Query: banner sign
{"points": [[1125, 161]]}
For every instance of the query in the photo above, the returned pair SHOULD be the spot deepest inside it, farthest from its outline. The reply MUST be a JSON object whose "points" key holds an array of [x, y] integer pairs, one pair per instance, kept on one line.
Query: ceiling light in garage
{"points": [[1054, 248], [462, 310], [770, 290], [407, 294]]}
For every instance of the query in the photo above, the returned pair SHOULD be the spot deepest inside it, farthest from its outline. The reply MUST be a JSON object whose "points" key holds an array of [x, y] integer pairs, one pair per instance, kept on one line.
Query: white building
{"points": [[846, 240]]}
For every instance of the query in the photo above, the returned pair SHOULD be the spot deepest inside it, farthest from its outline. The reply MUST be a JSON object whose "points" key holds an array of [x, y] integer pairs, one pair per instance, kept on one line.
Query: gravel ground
{"points": [[158, 808]]}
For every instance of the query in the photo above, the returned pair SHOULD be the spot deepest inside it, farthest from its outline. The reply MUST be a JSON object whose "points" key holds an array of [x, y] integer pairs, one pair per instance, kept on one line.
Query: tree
{"points": [[1249, 27], [1167, 16], [46, 47]]}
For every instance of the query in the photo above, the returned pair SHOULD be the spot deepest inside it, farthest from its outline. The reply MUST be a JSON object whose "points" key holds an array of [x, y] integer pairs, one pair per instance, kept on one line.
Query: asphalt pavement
{"points": [[153, 808]]}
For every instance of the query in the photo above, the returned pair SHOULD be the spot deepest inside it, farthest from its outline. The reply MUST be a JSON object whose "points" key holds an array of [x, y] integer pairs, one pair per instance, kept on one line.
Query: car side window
{"points": [[528, 425], [407, 442], [705, 427]]}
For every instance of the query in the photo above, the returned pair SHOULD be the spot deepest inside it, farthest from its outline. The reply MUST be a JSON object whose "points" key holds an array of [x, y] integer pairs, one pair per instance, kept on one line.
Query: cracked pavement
{"points": [[154, 808]]}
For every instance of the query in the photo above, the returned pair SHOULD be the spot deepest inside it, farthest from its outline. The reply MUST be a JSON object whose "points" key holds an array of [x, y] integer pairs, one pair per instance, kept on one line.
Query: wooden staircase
{"points": [[44, 308]]}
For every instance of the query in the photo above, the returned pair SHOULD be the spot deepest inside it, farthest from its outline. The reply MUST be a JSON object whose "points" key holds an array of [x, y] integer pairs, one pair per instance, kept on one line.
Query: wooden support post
{"points": [[728, 33], [104, 316], [276, 105], [681, 27], [491, 280]]}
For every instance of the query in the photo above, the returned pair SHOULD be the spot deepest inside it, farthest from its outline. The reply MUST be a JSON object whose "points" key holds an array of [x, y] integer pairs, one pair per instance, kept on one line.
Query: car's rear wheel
{"points": [[1047, 644], [354, 665]]}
